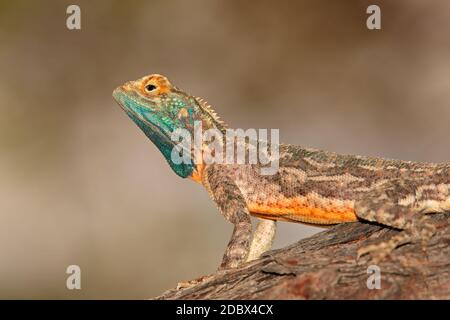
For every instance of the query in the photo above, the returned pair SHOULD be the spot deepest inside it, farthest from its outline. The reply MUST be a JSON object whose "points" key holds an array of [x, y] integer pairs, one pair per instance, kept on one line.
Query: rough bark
{"points": [[324, 267]]}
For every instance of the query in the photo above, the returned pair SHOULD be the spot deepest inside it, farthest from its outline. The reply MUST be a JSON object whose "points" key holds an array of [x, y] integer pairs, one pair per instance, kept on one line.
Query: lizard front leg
{"points": [[397, 205], [232, 205]]}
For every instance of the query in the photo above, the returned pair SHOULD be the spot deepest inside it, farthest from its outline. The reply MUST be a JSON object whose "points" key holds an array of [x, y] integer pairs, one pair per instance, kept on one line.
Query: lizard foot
{"points": [[194, 282], [380, 251]]}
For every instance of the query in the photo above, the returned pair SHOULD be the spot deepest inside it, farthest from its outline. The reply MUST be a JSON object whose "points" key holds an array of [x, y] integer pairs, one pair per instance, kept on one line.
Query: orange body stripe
{"points": [[307, 214], [294, 209]]}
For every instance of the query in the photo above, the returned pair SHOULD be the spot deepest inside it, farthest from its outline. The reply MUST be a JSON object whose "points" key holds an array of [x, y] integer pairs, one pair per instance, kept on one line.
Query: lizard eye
{"points": [[150, 87]]}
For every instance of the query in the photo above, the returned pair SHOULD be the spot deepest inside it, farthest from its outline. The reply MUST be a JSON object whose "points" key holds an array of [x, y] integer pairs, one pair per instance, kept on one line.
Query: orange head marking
{"points": [[149, 86], [154, 85]]}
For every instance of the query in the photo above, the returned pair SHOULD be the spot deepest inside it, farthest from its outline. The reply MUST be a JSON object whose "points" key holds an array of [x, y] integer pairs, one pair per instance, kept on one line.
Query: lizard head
{"points": [[159, 108]]}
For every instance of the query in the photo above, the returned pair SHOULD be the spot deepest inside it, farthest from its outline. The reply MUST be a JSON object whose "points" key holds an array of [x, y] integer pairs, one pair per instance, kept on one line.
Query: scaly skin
{"points": [[311, 186]]}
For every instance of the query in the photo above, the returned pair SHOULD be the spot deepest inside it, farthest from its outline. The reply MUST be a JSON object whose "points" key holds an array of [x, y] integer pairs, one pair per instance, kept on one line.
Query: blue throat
{"points": [[164, 145]]}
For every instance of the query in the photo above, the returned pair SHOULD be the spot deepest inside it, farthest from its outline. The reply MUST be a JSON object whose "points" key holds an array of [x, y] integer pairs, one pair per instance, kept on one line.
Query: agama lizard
{"points": [[310, 186]]}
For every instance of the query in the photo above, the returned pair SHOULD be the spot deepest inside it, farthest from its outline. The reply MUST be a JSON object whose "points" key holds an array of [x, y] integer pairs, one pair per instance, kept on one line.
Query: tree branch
{"points": [[324, 267]]}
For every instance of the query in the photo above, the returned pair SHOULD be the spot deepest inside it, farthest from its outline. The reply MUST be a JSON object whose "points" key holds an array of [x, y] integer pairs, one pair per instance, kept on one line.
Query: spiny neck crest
{"points": [[207, 109]]}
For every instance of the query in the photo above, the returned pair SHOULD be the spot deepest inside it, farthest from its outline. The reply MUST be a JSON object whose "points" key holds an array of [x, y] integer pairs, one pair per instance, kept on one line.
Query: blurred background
{"points": [[80, 184]]}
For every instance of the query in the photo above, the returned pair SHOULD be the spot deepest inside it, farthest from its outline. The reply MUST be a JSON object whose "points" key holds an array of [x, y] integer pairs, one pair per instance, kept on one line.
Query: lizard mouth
{"points": [[119, 95]]}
